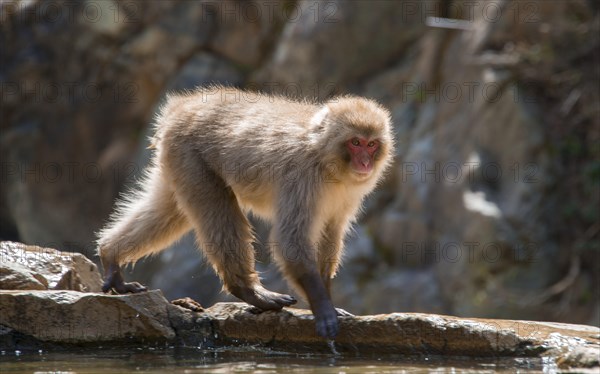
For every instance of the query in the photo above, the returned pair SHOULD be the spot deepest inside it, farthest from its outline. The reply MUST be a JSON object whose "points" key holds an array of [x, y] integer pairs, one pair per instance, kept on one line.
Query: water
{"points": [[248, 360]]}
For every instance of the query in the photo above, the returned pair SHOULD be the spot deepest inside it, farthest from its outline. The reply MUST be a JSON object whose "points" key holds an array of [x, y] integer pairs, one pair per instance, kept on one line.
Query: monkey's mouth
{"points": [[363, 168], [362, 173]]}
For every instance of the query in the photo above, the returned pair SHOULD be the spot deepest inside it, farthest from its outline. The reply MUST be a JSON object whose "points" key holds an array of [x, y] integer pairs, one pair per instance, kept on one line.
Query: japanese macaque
{"points": [[221, 153]]}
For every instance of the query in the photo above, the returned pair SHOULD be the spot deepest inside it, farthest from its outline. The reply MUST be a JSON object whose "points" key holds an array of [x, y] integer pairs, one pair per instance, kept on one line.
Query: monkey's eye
{"points": [[355, 142], [371, 144]]}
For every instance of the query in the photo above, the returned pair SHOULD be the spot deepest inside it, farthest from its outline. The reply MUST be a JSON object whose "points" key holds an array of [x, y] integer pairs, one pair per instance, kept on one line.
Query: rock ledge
{"points": [[42, 306], [47, 318]]}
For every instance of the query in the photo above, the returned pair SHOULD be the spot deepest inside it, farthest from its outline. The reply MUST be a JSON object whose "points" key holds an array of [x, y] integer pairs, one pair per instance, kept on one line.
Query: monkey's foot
{"points": [[343, 313], [188, 303], [123, 287], [262, 298], [114, 282]]}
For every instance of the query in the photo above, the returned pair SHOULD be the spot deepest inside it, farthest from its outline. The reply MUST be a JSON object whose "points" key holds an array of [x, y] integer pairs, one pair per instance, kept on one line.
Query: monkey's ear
{"points": [[318, 125], [319, 118]]}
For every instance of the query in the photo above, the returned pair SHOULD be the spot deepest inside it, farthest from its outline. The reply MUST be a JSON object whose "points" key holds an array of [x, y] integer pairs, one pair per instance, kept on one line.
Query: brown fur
{"points": [[222, 153]]}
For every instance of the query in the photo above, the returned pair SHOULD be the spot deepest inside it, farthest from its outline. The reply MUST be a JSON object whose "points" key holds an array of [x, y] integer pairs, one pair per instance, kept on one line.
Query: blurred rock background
{"points": [[491, 209]]}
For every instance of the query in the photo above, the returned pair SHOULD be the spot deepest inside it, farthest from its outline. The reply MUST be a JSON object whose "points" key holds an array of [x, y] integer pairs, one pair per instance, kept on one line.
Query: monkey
{"points": [[222, 153]]}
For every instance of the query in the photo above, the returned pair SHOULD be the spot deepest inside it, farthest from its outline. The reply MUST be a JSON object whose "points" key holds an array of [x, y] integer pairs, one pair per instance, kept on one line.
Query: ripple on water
{"points": [[251, 359]]}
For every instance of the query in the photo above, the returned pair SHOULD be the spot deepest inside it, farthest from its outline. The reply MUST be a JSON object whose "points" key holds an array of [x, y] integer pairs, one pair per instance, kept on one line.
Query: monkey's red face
{"points": [[362, 155]]}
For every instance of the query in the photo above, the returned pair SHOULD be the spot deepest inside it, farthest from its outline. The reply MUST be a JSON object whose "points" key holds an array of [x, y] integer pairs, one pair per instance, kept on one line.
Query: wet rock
{"points": [[68, 318], [71, 317], [14, 276], [586, 357], [25, 267], [408, 333]]}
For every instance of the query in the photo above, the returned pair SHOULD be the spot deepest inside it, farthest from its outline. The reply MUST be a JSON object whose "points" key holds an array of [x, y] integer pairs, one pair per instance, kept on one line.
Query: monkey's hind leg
{"points": [[144, 223], [225, 236]]}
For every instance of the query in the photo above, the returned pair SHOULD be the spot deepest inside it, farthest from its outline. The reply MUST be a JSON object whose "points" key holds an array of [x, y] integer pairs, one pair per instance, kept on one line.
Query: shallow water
{"points": [[248, 360]]}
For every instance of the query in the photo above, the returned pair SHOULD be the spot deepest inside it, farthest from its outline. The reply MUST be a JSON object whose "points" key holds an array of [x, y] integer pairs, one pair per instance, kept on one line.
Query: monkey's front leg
{"points": [[114, 281], [329, 257], [320, 303]]}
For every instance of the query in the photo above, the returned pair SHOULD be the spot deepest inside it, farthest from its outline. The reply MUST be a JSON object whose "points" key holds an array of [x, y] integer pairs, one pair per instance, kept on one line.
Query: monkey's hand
{"points": [[262, 298], [114, 281], [123, 287], [326, 319], [188, 303]]}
